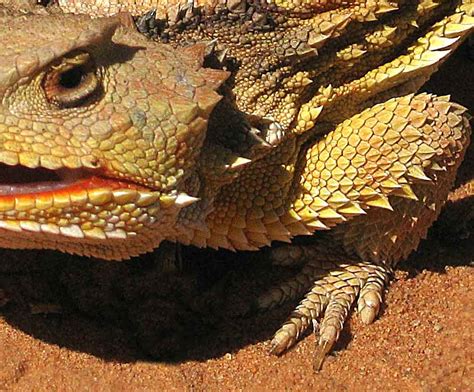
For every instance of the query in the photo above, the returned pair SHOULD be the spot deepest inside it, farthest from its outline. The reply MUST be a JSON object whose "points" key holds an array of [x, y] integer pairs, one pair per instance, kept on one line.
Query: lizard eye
{"points": [[71, 83]]}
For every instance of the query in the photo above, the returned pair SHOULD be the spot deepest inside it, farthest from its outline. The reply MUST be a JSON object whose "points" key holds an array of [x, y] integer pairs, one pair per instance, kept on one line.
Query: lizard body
{"points": [[309, 121]]}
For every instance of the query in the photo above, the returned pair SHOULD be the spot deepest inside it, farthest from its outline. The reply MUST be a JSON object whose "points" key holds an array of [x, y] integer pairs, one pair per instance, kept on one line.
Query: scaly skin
{"points": [[318, 129], [125, 164]]}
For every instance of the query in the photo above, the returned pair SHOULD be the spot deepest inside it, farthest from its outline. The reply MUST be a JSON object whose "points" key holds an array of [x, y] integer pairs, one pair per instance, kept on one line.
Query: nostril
{"points": [[93, 163]]}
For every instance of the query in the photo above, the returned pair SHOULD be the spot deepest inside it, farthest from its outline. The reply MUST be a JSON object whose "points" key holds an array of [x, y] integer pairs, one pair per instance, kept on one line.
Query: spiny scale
{"points": [[323, 201], [308, 137]]}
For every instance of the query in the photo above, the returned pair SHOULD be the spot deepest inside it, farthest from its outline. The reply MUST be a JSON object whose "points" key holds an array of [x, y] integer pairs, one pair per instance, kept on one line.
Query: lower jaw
{"points": [[22, 197], [92, 207]]}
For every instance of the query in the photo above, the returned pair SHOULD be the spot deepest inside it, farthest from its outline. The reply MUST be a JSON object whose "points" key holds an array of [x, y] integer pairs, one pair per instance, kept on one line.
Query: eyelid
{"points": [[84, 82], [73, 97], [69, 62]]}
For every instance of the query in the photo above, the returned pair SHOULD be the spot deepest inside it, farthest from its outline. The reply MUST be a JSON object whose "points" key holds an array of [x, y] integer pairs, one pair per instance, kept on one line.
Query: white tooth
{"points": [[49, 228], [184, 200], [30, 226], [72, 231], [117, 233]]}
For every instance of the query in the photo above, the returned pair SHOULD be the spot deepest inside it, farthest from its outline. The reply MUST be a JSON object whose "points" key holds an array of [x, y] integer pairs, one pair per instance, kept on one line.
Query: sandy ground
{"points": [[73, 324]]}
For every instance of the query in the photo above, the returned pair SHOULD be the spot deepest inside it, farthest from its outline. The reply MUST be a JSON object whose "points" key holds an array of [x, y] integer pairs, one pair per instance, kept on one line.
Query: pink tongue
{"points": [[33, 187]]}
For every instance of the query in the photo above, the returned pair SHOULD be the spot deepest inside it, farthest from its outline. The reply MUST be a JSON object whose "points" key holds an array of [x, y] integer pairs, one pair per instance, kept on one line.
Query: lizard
{"points": [[240, 125]]}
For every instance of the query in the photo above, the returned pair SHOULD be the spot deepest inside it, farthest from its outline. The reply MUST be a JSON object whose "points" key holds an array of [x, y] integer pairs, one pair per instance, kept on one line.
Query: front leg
{"points": [[332, 282], [379, 203]]}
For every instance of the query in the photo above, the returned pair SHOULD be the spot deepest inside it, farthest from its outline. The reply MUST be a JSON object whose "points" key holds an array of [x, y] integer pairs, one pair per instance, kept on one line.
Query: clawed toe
{"points": [[332, 290], [370, 297]]}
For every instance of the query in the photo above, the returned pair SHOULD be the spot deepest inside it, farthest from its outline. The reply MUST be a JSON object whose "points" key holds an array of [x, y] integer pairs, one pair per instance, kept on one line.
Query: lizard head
{"points": [[100, 132], [301, 67]]}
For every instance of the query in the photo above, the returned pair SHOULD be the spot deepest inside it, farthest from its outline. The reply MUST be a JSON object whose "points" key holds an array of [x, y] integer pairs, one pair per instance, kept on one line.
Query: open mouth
{"points": [[78, 203], [18, 180]]}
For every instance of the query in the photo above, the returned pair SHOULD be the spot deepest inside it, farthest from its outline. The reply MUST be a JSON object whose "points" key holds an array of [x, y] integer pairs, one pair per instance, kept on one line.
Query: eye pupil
{"points": [[72, 81], [71, 78]]}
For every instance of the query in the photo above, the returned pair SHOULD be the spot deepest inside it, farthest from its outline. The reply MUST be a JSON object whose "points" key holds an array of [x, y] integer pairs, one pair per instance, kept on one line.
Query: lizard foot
{"points": [[331, 287]]}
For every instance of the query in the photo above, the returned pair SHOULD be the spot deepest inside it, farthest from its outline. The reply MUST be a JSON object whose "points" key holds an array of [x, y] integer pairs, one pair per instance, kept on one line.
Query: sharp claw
{"points": [[273, 349], [320, 353], [369, 307], [367, 315], [315, 326], [278, 345], [333, 289]]}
